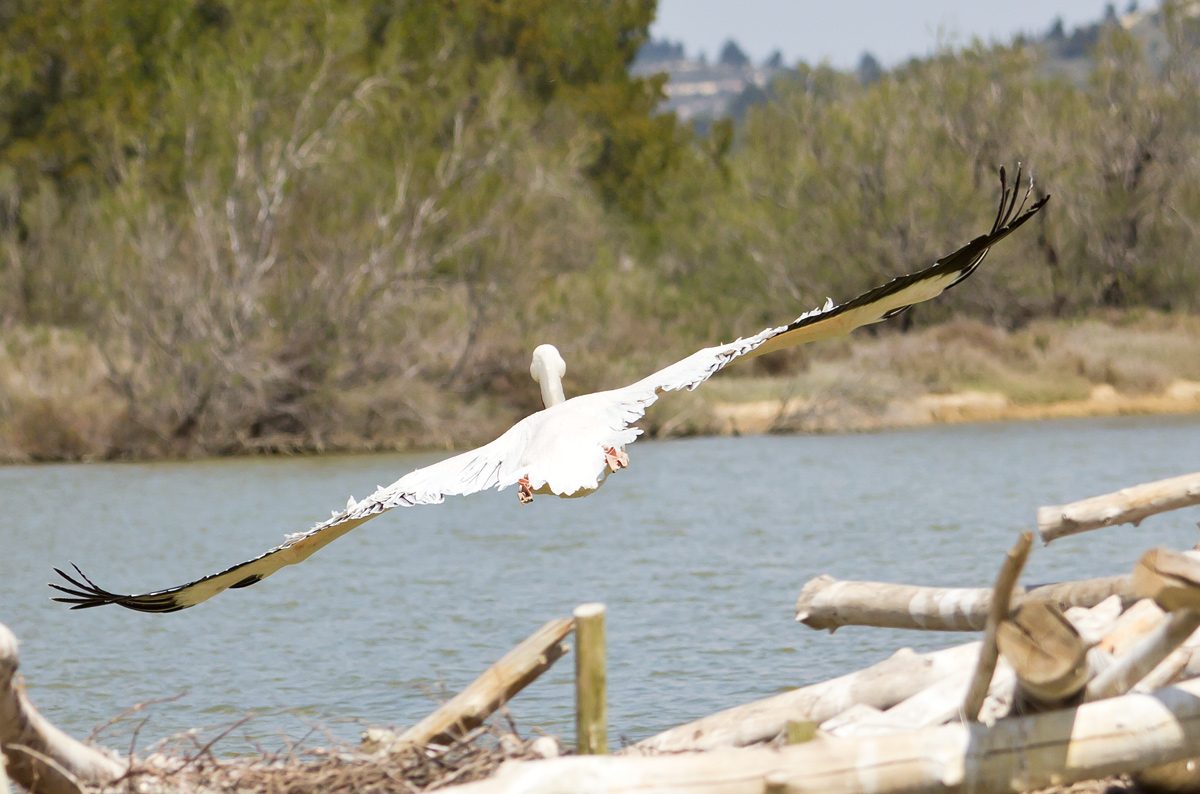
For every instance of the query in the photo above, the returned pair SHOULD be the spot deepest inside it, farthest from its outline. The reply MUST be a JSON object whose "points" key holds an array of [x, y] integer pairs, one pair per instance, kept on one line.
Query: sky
{"points": [[840, 31]]}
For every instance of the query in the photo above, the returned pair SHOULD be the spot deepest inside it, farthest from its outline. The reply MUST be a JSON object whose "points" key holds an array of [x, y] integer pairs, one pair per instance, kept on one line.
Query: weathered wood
{"points": [[1046, 653], [1133, 624], [40, 757], [499, 683], [998, 610], [1092, 624], [591, 681], [829, 603], [1018, 754], [1171, 578], [1126, 506], [882, 685]]}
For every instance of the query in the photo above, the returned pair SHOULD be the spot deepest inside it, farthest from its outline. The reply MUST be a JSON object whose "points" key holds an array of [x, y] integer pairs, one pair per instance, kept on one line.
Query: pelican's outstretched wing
{"points": [[562, 448], [490, 466], [625, 406]]}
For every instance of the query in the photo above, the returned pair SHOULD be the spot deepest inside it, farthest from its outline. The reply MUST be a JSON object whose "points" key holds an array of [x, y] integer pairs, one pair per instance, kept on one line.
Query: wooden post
{"points": [[1006, 580], [1126, 506], [591, 700]]}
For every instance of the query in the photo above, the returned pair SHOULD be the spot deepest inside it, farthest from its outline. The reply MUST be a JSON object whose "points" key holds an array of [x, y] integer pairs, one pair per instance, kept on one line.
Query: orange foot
{"points": [[616, 458], [524, 492]]}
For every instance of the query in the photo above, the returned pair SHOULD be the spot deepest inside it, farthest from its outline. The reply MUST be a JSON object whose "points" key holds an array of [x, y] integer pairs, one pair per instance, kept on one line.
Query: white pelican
{"points": [[570, 447]]}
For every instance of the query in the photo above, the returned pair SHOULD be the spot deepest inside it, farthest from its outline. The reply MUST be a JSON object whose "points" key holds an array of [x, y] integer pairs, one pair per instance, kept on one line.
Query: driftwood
{"points": [[1133, 624], [499, 683], [882, 685], [1049, 657], [1126, 506], [829, 603], [1095, 740], [40, 757], [1172, 579], [998, 610]]}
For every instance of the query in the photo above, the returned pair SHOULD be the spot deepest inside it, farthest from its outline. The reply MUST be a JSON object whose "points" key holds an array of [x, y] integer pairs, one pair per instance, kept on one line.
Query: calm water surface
{"points": [[699, 551]]}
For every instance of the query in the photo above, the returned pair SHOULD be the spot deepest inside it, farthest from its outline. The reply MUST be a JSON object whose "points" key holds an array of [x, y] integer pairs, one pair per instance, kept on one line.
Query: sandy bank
{"points": [[808, 415]]}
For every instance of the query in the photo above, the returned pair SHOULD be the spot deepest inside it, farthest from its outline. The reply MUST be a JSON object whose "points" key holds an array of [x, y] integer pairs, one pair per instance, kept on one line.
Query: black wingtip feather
{"points": [[87, 594]]}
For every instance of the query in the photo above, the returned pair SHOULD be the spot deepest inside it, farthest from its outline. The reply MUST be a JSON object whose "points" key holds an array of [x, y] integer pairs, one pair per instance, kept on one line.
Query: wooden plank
{"points": [[499, 683], [1126, 506]]}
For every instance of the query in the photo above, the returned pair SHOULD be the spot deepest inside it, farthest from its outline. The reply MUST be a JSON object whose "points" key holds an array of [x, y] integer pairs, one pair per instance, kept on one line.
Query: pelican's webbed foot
{"points": [[617, 459], [524, 492]]}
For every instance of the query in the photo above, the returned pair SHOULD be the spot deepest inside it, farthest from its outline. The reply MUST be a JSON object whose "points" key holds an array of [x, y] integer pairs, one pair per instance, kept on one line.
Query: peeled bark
{"points": [[1126, 506], [829, 603], [40, 757], [1095, 740]]}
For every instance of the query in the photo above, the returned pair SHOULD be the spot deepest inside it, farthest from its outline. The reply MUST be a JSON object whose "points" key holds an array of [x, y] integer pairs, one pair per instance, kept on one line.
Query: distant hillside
{"points": [[697, 90]]}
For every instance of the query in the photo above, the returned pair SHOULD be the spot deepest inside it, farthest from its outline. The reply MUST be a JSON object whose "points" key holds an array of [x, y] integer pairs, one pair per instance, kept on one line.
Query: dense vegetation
{"points": [[236, 226]]}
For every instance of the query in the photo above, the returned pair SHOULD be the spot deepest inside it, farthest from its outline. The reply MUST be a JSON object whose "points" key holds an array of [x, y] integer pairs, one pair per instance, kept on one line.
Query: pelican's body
{"points": [[570, 447]]}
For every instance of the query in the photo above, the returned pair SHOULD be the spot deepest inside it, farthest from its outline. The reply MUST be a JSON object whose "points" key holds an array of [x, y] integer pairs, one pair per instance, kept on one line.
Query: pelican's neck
{"points": [[552, 390]]}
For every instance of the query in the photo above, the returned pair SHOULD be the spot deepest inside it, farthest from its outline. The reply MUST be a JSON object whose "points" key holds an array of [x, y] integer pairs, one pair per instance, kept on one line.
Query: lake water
{"points": [[699, 551]]}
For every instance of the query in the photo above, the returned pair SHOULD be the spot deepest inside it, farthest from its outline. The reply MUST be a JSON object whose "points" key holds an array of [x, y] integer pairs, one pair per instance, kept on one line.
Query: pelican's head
{"points": [[548, 368]]}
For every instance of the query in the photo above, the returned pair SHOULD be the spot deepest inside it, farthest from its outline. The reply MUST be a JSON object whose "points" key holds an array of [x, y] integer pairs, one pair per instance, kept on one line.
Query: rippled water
{"points": [[699, 551]]}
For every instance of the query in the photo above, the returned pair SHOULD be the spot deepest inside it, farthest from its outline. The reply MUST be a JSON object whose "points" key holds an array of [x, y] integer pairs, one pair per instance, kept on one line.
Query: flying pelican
{"points": [[569, 448]]}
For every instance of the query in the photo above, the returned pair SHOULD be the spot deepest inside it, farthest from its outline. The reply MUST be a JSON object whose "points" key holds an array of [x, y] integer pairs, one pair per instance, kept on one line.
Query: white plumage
{"points": [[570, 447]]}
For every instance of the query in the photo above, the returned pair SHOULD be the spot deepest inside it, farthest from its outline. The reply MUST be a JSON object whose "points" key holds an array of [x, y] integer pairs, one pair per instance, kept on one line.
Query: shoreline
{"points": [[800, 415]]}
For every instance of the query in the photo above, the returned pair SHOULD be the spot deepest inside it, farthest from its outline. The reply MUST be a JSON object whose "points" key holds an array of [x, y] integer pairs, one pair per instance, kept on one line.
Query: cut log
{"points": [[1047, 654], [1126, 506], [998, 610], [1171, 578], [829, 603], [882, 685], [499, 683], [40, 757], [1019, 754]]}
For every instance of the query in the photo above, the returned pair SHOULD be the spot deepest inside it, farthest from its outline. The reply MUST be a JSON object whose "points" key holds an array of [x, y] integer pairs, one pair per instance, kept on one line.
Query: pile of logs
{"points": [[1069, 682]]}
